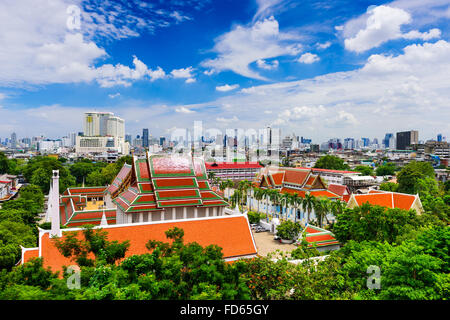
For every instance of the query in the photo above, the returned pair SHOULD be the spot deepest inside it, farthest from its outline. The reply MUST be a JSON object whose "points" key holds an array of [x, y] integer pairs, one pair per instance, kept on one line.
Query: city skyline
{"points": [[320, 70]]}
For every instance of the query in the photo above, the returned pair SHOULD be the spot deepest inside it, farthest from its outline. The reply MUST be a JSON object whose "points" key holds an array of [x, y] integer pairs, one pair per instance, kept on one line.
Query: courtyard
{"points": [[265, 243]]}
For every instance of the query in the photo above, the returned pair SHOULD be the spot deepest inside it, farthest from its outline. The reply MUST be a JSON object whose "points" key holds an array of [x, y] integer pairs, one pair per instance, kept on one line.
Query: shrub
{"points": [[288, 230], [254, 217]]}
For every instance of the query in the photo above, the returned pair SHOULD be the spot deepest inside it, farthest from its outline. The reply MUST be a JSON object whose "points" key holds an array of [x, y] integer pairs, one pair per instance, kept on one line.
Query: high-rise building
{"points": [[103, 124], [13, 140], [386, 140], [102, 132], [145, 138], [162, 141], [73, 139], [366, 142], [407, 138], [439, 137], [349, 143]]}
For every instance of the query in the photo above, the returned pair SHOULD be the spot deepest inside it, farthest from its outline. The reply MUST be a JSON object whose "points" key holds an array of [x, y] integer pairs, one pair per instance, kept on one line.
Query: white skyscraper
{"points": [[103, 131]]}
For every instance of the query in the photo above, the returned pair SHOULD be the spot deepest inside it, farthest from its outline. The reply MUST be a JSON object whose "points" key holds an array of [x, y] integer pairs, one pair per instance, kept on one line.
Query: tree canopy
{"points": [[331, 162]]}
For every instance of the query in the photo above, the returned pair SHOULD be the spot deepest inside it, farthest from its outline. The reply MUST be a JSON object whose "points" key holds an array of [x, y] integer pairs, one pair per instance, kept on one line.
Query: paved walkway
{"points": [[266, 244]]}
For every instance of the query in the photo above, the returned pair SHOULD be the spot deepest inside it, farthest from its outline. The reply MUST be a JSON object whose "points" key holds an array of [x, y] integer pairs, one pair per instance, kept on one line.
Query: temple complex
{"points": [[152, 195]]}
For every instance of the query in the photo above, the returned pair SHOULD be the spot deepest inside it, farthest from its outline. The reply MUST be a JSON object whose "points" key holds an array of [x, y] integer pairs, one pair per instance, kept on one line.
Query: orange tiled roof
{"points": [[30, 253], [277, 178], [231, 233], [387, 199], [323, 193]]}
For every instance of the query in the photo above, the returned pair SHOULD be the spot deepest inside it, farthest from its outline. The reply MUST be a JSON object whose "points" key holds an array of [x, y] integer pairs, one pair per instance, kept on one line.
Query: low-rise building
{"points": [[234, 170]]}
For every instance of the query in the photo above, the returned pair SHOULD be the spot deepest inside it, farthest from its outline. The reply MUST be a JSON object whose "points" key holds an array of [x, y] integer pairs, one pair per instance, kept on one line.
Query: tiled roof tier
{"points": [[319, 237], [294, 180], [178, 183], [119, 179], [172, 166], [231, 233], [171, 181]]}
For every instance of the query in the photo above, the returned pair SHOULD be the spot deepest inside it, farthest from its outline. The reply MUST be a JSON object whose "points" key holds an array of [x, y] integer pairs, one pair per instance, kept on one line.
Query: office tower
{"points": [[145, 138], [13, 140], [349, 143], [439, 137], [407, 138], [103, 124], [102, 132]]}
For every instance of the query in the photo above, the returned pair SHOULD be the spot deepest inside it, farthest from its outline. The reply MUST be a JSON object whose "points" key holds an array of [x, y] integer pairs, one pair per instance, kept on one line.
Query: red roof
{"points": [[339, 189], [232, 165], [231, 233]]}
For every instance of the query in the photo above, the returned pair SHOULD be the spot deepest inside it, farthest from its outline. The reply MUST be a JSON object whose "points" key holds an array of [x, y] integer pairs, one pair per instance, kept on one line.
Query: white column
{"points": [[207, 212], [174, 212], [215, 211], [150, 215], [184, 212], [195, 212], [55, 225], [141, 217]]}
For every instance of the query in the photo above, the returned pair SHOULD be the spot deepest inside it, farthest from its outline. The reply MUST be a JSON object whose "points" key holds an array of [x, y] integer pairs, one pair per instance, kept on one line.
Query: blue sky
{"points": [[321, 69]]}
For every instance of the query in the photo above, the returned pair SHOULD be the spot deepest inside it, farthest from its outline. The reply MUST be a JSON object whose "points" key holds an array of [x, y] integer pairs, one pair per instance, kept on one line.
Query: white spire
{"points": [[104, 222], [54, 211]]}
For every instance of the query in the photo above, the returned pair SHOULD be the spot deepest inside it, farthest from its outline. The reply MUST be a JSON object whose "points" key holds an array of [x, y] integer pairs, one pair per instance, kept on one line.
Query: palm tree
{"points": [[308, 204], [296, 201], [322, 208], [274, 198], [285, 200], [266, 195], [258, 194]]}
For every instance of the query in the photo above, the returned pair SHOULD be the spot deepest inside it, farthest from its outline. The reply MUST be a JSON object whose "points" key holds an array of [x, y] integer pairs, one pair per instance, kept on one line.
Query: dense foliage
{"points": [[18, 224], [331, 162], [288, 230]]}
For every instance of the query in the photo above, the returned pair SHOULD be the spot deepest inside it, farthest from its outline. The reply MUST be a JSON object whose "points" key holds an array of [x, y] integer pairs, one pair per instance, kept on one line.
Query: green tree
{"points": [[410, 175], [95, 243], [81, 169], [331, 162], [365, 170], [387, 169], [14, 234], [389, 186], [4, 163], [95, 178], [374, 223], [109, 173]]}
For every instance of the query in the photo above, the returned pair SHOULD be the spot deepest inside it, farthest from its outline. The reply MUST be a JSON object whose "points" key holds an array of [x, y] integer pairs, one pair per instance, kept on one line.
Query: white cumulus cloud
{"points": [[383, 24], [308, 58], [227, 87], [243, 45]]}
